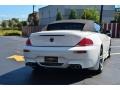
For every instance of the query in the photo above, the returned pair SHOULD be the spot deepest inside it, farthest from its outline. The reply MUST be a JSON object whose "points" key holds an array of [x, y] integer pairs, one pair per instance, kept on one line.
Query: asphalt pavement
{"points": [[15, 73]]}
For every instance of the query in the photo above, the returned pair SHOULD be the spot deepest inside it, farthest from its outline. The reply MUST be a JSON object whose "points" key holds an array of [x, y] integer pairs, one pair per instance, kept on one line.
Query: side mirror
{"points": [[44, 28], [108, 32]]}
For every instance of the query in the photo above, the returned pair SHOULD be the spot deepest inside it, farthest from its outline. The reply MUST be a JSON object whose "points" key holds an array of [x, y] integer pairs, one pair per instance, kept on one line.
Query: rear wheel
{"points": [[109, 50], [98, 68], [100, 62], [109, 53]]}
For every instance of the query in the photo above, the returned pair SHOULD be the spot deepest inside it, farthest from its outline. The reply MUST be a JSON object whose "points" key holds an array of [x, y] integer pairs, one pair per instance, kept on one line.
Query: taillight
{"points": [[85, 42], [28, 42]]}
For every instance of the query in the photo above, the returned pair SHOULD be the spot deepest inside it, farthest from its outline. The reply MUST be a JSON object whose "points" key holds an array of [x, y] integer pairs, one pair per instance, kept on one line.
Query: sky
{"points": [[17, 11]]}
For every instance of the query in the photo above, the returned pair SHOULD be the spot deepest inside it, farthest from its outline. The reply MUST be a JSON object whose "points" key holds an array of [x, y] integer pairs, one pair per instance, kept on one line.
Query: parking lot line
{"points": [[17, 58], [115, 46], [115, 53]]}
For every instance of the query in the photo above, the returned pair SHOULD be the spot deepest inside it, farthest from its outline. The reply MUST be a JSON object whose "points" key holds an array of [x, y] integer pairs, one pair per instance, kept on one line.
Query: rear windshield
{"points": [[65, 26]]}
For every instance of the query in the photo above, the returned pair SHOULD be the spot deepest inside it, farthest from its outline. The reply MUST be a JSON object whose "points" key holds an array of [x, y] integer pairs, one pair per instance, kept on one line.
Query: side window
{"points": [[97, 27]]}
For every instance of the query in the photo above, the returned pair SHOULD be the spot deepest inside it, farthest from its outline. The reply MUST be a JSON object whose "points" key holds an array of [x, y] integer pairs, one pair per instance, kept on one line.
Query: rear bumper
{"points": [[34, 65], [86, 57]]}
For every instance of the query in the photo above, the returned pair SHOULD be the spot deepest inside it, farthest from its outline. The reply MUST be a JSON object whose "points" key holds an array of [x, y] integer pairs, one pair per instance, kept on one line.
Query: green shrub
{"points": [[91, 14], [59, 16], [9, 28], [10, 33], [73, 14]]}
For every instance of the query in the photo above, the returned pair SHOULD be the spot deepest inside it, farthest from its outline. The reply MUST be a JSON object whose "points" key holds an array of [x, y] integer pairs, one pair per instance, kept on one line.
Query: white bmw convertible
{"points": [[76, 44]]}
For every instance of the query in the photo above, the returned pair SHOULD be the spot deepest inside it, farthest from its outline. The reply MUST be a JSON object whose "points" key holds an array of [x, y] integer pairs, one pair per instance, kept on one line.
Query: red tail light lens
{"points": [[28, 42], [85, 42]]}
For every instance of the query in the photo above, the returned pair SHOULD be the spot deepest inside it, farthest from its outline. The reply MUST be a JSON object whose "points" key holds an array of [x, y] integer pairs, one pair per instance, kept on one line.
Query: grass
{"points": [[10, 33]]}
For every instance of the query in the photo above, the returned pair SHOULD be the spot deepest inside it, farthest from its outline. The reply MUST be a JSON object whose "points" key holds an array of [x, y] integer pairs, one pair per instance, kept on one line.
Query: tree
{"points": [[24, 23], [33, 19], [11, 23], [16, 20], [73, 14], [91, 14], [19, 25], [59, 16], [4, 24], [117, 17]]}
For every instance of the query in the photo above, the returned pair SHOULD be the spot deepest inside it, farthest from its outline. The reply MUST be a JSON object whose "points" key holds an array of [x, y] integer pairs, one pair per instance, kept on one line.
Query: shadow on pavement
{"points": [[25, 76]]}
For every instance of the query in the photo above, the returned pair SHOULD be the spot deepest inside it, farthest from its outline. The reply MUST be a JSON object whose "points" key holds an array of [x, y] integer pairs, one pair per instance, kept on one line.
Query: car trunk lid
{"points": [[60, 38]]}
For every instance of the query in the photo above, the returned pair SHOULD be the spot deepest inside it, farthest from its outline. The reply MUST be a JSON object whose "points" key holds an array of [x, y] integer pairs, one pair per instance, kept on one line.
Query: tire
{"points": [[109, 50], [98, 68], [100, 62], [109, 53]]}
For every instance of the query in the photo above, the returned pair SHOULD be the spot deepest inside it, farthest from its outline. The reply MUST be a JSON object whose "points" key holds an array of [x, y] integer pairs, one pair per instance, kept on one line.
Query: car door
{"points": [[104, 38], [105, 41]]}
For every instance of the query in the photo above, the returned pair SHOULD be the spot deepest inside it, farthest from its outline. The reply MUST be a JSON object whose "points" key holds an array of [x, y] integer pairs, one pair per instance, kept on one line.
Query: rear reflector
{"points": [[80, 51], [85, 42], [28, 42], [25, 50]]}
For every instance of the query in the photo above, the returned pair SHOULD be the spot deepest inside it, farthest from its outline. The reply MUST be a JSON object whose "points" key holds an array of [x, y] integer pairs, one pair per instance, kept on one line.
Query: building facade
{"points": [[48, 14]]}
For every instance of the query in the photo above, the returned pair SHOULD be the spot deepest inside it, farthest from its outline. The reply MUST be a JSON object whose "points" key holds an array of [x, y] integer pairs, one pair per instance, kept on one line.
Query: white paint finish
{"points": [[64, 53], [69, 38]]}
